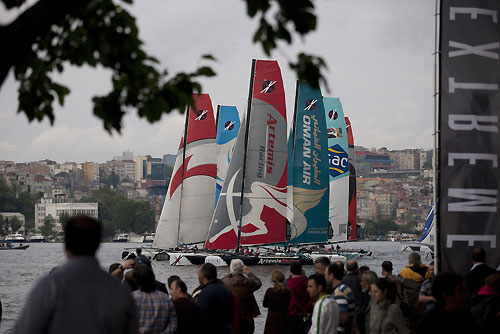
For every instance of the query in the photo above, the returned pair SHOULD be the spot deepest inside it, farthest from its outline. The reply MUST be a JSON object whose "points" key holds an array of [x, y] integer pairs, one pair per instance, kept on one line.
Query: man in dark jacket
{"points": [[353, 280], [300, 301], [476, 277], [244, 287], [215, 300]]}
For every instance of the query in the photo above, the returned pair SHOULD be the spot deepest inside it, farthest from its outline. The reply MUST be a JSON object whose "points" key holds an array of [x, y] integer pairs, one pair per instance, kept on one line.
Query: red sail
{"points": [[352, 217], [264, 164]]}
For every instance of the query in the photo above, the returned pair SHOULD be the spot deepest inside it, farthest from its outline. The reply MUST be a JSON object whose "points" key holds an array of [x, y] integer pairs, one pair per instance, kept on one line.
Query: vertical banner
{"points": [[469, 142]]}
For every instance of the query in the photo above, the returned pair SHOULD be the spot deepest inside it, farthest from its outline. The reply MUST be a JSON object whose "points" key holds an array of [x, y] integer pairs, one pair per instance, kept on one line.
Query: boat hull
{"points": [[15, 248]]}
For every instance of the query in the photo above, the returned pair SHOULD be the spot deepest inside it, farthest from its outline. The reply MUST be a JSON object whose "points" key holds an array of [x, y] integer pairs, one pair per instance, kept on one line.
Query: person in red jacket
{"points": [[300, 302]]}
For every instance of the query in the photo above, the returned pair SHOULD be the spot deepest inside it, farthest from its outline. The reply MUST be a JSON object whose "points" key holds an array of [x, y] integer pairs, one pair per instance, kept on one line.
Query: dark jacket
{"points": [[244, 288], [277, 301], [300, 301], [188, 315], [216, 306], [476, 278], [353, 281]]}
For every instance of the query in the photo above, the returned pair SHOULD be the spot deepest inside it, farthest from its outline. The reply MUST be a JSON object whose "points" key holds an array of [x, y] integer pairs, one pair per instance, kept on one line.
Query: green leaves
{"points": [[101, 33], [309, 68]]}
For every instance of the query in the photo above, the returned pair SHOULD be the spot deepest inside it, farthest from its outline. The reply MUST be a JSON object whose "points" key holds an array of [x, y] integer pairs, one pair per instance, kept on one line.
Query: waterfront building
{"points": [[57, 206]]}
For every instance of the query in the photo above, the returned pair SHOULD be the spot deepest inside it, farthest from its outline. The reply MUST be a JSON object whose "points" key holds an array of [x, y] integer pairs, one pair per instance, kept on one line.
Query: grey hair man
{"points": [[244, 287], [236, 266]]}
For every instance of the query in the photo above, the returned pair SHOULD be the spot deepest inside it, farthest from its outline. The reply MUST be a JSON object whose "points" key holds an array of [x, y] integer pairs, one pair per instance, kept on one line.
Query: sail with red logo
{"points": [[190, 199], [252, 205], [352, 216]]}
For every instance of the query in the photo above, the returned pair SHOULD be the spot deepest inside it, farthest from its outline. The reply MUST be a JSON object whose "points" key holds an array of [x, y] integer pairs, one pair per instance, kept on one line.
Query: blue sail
{"points": [[428, 228], [310, 166], [228, 125], [339, 169]]}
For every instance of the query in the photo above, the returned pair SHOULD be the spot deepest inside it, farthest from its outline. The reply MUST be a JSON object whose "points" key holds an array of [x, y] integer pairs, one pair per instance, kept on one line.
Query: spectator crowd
{"points": [[79, 297]]}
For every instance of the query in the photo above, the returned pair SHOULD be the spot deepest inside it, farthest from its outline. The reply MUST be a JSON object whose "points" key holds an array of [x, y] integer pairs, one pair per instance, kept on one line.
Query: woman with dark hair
{"points": [[277, 300], [385, 316], [155, 309]]}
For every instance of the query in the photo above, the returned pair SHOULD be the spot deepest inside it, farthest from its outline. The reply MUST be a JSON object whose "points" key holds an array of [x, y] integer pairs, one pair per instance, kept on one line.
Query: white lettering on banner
{"points": [[470, 238], [452, 85], [474, 12], [479, 200], [471, 122], [306, 147], [479, 50], [472, 157], [306, 176]]}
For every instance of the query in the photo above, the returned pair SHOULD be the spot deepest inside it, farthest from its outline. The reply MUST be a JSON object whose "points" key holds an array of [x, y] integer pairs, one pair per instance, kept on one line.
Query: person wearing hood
{"points": [[300, 302]]}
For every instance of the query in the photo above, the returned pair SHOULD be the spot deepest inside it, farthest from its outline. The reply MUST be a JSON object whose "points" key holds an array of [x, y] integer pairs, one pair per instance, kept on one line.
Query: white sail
{"points": [[190, 199]]}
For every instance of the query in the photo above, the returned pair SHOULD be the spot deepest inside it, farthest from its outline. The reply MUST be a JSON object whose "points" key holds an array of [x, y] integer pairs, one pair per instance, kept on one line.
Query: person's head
{"points": [[170, 280], [334, 274], [236, 267], [450, 292], [383, 291], [478, 255], [340, 264], [138, 251], [367, 279], [362, 269], [178, 289], [296, 269], [206, 273], [316, 285], [320, 265], [414, 259], [82, 235], [143, 260], [386, 268], [493, 281], [431, 269], [278, 278], [352, 266], [129, 281], [144, 277]]}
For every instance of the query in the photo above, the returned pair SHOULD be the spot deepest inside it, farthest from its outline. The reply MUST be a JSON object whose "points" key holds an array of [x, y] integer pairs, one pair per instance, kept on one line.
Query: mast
{"points": [[218, 114], [294, 120], [437, 118], [184, 141], [247, 126]]}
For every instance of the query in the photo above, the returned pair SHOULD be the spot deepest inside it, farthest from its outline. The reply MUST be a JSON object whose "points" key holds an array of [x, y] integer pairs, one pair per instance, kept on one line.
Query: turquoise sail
{"points": [[338, 169], [310, 168], [228, 125]]}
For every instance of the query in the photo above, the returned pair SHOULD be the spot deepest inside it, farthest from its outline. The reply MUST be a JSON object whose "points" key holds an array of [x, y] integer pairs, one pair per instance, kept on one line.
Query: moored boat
{"points": [[15, 237], [20, 247], [123, 237], [37, 238]]}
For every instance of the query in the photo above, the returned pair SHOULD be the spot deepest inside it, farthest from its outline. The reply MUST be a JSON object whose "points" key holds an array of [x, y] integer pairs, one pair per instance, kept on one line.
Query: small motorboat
{"points": [[121, 238], [37, 238], [10, 247], [16, 237]]}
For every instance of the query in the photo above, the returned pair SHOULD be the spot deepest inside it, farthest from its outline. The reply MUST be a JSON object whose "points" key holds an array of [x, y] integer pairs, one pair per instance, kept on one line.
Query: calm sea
{"points": [[20, 270]]}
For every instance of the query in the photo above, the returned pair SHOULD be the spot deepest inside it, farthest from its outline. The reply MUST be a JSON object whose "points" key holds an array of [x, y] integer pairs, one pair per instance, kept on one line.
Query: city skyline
{"points": [[380, 65]]}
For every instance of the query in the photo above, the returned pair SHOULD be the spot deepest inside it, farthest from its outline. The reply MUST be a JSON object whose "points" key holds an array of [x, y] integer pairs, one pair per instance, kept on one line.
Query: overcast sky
{"points": [[379, 55]]}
